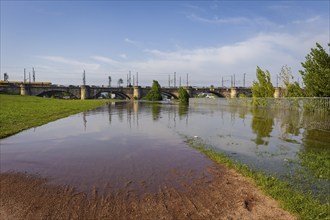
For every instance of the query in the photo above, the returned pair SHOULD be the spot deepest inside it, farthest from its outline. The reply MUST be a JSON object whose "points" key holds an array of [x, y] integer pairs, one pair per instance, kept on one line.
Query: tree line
{"points": [[315, 75]]}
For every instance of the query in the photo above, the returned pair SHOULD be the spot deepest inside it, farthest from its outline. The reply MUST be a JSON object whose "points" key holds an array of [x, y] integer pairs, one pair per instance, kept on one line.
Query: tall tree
{"points": [[263, 87], [183, 96], [294, 90], [290, 89], [286, 75], [154, 94], [316, 73]]}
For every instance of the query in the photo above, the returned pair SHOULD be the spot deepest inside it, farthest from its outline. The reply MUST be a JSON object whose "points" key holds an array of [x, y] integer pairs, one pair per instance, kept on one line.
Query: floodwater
{"points": [[142, 146]]}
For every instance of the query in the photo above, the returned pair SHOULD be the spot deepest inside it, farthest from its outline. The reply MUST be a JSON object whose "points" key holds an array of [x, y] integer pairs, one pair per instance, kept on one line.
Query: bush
{"points": [[154, 94], [183, 96]]}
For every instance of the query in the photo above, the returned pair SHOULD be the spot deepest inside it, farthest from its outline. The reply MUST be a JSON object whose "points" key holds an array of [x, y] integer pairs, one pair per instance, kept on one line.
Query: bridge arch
{"points": [[246, 93], [58, 94], [219, 95], [117, 93], [169, 94]]}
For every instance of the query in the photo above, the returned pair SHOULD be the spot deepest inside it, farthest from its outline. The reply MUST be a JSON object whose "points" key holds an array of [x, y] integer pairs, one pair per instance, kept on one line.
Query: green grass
{"points": [[302, 204], [318, 162], [18, 113]]}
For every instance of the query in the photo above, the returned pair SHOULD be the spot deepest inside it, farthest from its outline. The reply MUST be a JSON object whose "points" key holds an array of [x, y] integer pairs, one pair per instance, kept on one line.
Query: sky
{"points": [[209, 41]]}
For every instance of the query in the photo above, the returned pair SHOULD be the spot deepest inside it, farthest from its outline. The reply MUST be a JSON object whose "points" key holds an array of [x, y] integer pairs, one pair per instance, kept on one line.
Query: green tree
{"points": [[294, 90], [316, 73], [263, 87], [154, 94], [290, 89], [183, 96], [120, 81]]}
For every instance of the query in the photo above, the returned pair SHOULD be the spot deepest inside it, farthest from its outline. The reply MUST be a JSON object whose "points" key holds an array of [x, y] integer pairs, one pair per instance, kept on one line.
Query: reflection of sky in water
{"points": [[264, 139], [114, 145]]}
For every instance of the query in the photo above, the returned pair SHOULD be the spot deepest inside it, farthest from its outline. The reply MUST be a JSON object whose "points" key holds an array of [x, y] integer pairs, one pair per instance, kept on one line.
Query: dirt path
{"points": [[227, 195]]}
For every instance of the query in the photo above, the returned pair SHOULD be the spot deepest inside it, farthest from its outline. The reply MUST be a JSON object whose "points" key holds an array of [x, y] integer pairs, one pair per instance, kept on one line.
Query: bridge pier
{"points": [[233, 92], [84, 92], [137, 92], [24, 90]]}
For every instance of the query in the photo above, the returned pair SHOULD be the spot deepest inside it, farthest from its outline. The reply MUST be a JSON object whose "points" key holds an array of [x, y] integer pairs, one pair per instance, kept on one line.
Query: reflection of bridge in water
{"points": [[136, 92], [132, 112]]}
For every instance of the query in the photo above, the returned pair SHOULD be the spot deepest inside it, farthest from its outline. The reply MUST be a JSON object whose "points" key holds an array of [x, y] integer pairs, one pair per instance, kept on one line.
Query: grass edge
{"points": [[300, 204]]}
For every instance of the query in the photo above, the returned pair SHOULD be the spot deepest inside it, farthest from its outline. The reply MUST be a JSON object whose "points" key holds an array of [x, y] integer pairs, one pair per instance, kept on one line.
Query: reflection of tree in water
{"points": [[315, 154], [85, 120], [110, 112], [236, 108], [316, 139], [242, 112], [129, 112], [183, 110], [262, 125], [291, 122], [155, 110], [120, 110]]}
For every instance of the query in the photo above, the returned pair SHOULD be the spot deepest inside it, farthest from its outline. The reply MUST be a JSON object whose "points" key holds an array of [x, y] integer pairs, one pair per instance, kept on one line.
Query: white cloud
{"points": [[129, 41], [216, 20], [308, 20], [256, 21], [193, 7], [206, 65], [109, 63], [279, 7], [71, 62], [105, 60]]}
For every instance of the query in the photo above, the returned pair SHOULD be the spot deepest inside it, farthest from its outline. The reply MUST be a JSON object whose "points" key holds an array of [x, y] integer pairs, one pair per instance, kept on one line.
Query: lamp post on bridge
{"points": [[137, 79], [84, 78], [244, 80], [174, 79]]}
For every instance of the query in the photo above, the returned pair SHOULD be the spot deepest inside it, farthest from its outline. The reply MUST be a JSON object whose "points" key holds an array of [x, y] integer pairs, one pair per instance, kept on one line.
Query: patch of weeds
{"points": [[317, 161]]}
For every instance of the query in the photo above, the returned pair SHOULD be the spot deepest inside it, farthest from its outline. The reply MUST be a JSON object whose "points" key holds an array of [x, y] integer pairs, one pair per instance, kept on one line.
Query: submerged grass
{"points": [[18, 113], [303, 204], [317, 161]]}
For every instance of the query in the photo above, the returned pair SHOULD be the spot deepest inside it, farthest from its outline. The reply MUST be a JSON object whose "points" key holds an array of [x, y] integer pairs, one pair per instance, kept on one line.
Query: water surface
{"points": [[141, 146]]}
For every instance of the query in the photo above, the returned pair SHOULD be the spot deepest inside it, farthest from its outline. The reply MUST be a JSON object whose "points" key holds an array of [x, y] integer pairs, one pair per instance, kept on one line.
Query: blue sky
{"points": [[206, 39]]}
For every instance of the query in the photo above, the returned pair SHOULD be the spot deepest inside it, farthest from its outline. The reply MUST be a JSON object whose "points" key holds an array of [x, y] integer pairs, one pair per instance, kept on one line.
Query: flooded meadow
{"points": [[141, 147]]}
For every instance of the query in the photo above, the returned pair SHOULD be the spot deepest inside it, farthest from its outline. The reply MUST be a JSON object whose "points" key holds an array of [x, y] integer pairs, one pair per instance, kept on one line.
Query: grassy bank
{"points": [[18, 113], [301, 203]]}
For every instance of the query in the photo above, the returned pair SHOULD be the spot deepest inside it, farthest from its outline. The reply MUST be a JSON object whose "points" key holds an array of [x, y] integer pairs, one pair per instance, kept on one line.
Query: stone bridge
{"points": [[92, 92]]}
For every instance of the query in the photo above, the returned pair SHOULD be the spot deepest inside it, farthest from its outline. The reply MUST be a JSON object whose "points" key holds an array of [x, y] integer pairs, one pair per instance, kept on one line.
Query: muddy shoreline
{"points": [[227, 195]]}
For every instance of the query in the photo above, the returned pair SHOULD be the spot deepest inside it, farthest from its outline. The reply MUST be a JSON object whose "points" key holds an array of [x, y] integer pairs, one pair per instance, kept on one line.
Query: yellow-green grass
{"points": [[18, 113], [302, 204]]}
